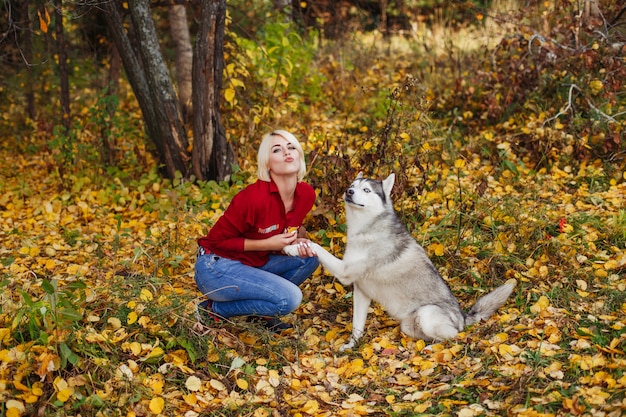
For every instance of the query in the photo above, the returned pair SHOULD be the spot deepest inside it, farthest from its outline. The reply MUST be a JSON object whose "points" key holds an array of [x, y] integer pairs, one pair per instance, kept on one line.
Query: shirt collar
{"points": [[274, 189]]}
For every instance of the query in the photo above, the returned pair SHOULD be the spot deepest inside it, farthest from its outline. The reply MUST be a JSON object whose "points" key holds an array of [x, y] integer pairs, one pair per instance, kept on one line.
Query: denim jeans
{"points": [[241, 290]]}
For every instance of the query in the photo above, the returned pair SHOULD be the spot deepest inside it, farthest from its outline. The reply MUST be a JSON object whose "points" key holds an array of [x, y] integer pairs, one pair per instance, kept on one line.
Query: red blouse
{"points": [[256, 212]]}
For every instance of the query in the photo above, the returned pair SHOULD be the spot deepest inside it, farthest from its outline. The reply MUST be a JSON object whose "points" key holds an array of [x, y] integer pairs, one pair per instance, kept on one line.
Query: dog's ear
{"points": [[388, 184], [360, 175]]}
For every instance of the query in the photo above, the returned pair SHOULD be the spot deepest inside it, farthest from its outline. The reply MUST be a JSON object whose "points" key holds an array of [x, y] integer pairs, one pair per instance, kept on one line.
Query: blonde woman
{"points": [[240, 267]]}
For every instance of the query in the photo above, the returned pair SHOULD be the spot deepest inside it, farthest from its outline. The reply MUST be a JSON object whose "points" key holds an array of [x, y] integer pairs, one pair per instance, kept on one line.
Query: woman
{"points": [[240, 268]]}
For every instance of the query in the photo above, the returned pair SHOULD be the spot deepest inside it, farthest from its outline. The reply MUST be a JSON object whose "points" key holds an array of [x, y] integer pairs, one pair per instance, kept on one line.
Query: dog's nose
{"points": [[350, 191]]}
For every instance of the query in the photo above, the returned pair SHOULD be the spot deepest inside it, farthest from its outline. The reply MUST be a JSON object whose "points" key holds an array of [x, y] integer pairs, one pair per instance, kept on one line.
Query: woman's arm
{"points": [[273, 243]]}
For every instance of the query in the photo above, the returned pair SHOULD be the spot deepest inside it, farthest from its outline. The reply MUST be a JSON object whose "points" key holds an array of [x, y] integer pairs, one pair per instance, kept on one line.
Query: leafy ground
{"points": [[97, 270]]}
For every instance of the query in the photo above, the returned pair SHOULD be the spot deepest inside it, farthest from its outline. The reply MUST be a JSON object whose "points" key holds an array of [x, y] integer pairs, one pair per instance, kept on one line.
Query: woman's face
{"points": [[284, 157]]}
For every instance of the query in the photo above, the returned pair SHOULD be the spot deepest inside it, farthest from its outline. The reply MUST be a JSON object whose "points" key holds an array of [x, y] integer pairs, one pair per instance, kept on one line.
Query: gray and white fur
{"points": [[383, 262]]}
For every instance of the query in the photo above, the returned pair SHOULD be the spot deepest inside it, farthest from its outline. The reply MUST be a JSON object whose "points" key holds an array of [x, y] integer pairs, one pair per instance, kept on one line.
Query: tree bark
{"points": [[134, 70], [63, 70], [28, 57], [172, 135], [179, 29], [212, 155]]}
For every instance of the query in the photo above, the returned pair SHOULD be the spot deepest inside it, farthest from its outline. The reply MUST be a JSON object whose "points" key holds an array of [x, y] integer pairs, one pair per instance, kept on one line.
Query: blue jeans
{"points": [[241, 290]]}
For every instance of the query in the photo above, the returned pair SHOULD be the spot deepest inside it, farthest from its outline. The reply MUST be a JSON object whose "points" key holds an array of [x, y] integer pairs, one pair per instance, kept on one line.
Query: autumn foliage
{"points": [[509, 157]]}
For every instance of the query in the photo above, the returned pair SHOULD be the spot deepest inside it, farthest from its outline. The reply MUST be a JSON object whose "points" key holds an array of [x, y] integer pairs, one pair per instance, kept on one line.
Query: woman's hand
{"points": [[304, 248], [278, 242]]}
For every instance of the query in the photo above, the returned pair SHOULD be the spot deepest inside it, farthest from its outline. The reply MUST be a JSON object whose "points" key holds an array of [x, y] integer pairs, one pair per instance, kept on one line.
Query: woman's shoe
{"points": [[204, 313], [273, 324]]}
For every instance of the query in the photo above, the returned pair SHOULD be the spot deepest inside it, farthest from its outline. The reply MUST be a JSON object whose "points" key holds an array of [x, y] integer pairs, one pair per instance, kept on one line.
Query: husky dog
{"points": [[384, 263]]}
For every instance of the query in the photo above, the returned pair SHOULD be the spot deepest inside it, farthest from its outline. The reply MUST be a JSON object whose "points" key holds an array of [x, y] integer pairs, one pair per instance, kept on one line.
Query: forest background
{"points": [[504, 123]]}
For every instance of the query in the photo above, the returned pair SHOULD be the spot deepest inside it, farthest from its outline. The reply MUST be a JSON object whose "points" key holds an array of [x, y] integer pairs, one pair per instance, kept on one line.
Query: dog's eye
{"points": [[367, 190]]}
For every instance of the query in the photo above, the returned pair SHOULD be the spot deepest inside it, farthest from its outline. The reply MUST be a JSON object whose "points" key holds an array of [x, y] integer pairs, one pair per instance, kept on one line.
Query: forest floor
{"points": [[98, 296]]}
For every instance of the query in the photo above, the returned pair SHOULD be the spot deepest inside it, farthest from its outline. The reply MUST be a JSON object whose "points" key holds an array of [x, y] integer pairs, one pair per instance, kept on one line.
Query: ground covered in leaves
{"points": [[98, 296], [96, 272]]}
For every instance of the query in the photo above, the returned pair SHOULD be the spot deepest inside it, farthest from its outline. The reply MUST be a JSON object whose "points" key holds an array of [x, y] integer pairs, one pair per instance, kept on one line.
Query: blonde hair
{"points": [[263, 156]]}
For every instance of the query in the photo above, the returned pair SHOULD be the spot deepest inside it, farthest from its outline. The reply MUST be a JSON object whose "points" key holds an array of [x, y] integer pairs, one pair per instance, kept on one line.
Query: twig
{"points": [[606, 116], [567, 108]]}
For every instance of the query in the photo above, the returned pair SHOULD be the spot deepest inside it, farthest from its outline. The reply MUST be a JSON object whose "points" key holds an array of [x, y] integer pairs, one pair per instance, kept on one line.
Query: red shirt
{"points": [[256, 212]]}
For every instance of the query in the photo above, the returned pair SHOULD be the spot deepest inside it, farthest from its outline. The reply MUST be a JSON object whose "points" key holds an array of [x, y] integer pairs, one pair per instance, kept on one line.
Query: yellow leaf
{"points": [[501, 337], [505, 350], [217, 385], [242, 383], [13, 412], [540, 305], [64, 391], [146, 295], [157, 404], [274, 378], [596, 86], [261, 412], [311, 407], [420, 345], [368, 145], [114, 322], [437, 248], [367, 352], [64, 394], [193, 383], [330, 335], [601, 273], [157, 352], [459, 163], [135, 347], [156, 383], [132, 317], [14, 408], [229, 95], [144, 321], [356, 365]]}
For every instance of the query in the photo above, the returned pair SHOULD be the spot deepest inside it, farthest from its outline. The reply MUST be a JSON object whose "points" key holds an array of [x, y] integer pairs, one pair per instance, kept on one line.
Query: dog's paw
{"points": [[291, 250], [348, 345]]}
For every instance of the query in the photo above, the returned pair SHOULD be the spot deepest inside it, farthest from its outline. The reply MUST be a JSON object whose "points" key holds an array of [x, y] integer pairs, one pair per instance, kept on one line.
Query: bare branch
{"points": [[567, 108]]}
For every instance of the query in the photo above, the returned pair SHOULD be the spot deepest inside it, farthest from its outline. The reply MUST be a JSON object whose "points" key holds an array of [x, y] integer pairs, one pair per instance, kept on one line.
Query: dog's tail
{"points": [[488, 304]]}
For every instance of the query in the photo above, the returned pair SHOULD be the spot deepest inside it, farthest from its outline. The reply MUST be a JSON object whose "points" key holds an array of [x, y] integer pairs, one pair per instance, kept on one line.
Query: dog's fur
{"points": [[384, 263]]}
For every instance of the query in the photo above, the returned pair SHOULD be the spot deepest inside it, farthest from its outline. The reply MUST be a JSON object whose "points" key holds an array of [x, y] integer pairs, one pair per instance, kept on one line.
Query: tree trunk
{"points": [[151, 85], [63, 70], [134, 71], [28, 57], [108, 142], [172, 137], [179, 29], [212, 155]]}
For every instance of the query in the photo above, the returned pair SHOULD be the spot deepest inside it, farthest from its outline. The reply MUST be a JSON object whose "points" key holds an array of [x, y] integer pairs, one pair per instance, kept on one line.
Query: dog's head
{"points": [[368, 194]]}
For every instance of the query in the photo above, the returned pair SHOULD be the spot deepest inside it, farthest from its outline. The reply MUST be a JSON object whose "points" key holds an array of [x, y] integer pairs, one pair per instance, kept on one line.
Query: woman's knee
{"points": [[292, 301]]}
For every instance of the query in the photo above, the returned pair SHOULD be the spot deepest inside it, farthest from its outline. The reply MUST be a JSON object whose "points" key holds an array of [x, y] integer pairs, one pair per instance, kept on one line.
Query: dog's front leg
{"points": [[360, 306], [332, 264]]}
